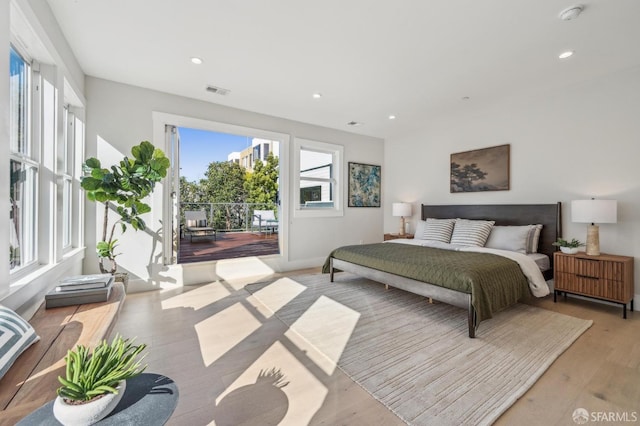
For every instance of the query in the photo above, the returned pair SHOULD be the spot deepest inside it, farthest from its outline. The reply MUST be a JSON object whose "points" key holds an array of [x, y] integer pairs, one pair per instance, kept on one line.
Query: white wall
{"points": [[578, 142], [120, 116]]}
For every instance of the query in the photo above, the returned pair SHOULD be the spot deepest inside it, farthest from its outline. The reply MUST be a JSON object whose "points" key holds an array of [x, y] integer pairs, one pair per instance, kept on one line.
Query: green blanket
{"points": [[494, 282]]}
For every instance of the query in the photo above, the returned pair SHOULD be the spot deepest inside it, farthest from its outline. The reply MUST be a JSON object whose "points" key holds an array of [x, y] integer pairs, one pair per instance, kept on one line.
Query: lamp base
{"points": [[401, 226], [593, 240]]}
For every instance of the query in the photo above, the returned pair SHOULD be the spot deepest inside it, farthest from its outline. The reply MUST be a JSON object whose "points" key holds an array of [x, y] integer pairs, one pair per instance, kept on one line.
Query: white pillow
{"points": [[471, 232], [534, 238], [438, 229], [420, 228], [512, 238], [17, 335]]}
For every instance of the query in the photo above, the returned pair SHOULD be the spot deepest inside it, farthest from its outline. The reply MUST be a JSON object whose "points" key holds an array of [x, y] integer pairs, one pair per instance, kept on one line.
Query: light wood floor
{"points": [[223, 351]]}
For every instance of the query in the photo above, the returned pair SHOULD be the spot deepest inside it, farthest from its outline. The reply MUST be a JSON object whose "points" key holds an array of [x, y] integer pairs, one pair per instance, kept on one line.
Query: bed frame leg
{"points": [[331, 270], [472, 320]]}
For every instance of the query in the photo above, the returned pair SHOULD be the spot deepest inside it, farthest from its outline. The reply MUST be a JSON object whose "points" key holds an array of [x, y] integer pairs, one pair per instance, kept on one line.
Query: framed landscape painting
{"points": [[485, 169], [364, 185]]}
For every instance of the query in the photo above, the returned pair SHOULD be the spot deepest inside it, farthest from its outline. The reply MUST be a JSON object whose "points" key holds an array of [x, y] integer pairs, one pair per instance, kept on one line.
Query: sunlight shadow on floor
{"points": [[276, 295], [197, 298], [323, 331], [305, 393], [219, 333], [240, 272]]}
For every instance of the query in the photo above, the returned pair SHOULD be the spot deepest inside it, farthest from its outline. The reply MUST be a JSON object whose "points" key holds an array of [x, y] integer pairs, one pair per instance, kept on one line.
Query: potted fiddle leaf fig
{"points": [[121, 188], [95, 381]]}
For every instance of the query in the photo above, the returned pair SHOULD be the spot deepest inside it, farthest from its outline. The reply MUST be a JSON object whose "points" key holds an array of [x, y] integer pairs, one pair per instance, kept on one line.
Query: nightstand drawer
{"points": [[612, 271], [564, 263], [581, 284], [587, 267], [614, 290]]}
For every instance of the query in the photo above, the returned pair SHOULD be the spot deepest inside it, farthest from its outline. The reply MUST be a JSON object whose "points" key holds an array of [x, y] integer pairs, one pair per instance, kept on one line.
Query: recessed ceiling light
{"points": [[465, 98], [317, 95], [354, 123], [196, 60], [392, 117], [565, 55]]}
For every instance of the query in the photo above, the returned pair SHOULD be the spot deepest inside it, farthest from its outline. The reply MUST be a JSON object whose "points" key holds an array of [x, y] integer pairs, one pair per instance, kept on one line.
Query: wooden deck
{"points": [[227, 245]]}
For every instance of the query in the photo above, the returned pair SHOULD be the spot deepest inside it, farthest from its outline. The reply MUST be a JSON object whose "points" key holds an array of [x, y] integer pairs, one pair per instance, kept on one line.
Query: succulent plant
{"points": [[90, 374], [564, 243]]}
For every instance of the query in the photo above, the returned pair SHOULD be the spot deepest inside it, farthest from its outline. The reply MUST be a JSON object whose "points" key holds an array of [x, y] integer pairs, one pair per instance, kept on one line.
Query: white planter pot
{"points": [[89, 413], [569, 250]]}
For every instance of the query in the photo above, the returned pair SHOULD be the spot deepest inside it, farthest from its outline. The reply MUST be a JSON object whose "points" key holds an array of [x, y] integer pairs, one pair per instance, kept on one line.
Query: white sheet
{"points": [[542, 260], [530, 269]]}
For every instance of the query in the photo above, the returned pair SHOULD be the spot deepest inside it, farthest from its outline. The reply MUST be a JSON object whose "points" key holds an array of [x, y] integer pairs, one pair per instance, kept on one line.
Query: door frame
{"points": [[162, 119]]}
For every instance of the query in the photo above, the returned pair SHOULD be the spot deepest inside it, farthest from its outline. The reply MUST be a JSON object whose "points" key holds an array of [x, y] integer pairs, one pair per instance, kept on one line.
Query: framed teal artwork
{"points": [[364, 185]]}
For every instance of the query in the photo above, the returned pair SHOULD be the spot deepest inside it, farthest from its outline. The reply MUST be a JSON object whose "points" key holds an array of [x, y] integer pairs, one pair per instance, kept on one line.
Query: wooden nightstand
{"points": [[605, 277], [388, 237]]}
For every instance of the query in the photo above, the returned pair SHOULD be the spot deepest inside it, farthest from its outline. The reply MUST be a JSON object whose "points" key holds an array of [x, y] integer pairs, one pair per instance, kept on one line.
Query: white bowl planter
{"points": [[89, 413], [569, 250]]}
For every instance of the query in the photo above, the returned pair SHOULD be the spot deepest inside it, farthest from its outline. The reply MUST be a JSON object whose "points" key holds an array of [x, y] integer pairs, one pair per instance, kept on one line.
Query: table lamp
{"points": [[403, 210], [592, 212]]}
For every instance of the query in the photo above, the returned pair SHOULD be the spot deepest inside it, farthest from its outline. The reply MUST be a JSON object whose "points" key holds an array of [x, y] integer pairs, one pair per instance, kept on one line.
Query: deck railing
{"points": [[228, 216]]}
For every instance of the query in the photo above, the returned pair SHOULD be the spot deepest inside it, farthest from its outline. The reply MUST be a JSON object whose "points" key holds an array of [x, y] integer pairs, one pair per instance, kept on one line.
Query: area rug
{"points": [[416, 357]]}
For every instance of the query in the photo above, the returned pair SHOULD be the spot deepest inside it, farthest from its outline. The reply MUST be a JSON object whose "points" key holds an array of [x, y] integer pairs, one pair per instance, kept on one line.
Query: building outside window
{"points": [[317, 171], [316, 179]]}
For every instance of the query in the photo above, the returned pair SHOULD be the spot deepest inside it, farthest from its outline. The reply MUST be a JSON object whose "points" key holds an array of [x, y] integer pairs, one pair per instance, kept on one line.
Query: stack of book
{"points": [[80, 289]]}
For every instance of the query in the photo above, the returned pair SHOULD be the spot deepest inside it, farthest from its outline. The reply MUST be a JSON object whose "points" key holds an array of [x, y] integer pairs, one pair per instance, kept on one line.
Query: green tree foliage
{"points": [[463, 178], [224, 183], [189, 191], [262, 185]]}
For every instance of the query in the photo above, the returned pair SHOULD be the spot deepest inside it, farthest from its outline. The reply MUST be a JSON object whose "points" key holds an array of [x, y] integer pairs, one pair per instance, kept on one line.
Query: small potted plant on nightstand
{"points": [[568, 247], [95, 381]]}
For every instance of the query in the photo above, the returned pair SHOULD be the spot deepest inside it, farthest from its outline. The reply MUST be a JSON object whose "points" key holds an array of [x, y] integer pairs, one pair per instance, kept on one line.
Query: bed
{"points": [[470, 296]]}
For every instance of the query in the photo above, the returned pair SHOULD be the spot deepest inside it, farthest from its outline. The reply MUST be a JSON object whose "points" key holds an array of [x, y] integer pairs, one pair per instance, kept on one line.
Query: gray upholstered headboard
{"points": [[549, 215]]}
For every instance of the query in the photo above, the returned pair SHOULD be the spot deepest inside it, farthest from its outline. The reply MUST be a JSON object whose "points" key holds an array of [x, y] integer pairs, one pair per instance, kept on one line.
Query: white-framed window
{"points": [[23, 167], [66, 177], [317, 174]]}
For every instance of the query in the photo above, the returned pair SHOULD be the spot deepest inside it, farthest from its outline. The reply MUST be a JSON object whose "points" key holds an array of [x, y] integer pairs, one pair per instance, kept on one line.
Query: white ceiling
{"points": [[412, 58]]}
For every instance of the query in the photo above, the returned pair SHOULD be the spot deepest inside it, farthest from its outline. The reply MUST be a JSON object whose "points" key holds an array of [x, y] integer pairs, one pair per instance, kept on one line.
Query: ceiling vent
{"points": [[218, 90], [571, 13]]}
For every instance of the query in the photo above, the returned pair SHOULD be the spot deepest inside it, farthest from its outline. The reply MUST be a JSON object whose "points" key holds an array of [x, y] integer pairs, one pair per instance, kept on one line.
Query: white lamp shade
{"points": [[594, 211], [401, 209]]}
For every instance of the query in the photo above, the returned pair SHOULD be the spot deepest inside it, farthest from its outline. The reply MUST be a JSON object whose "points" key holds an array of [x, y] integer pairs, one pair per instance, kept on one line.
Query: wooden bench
{"points": [[33, 379]]}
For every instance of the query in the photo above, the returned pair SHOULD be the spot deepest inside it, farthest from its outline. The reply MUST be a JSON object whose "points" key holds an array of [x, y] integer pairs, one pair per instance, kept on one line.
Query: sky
{"points": [[198, 148]]}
